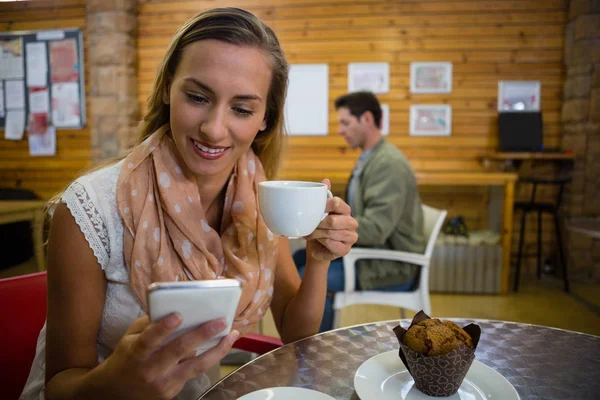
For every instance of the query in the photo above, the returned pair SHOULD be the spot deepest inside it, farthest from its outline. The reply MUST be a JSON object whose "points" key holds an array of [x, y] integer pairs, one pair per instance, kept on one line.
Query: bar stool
{"points": [[541, 207]]}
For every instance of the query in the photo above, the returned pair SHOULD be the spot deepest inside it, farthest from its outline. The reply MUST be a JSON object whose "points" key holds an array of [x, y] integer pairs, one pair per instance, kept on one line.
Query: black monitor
{"points": [[520, 131]]}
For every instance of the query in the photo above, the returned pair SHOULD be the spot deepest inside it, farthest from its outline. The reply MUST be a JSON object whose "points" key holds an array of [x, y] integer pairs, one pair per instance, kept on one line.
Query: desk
{"points": [[540, 362], [531, 156], [513, 161], [27, 210], [458, 178]]}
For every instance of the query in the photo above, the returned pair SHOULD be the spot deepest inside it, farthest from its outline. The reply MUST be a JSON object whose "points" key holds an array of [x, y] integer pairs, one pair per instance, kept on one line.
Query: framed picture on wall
{"points": [[430, 120], [431, 77], [372, 77], [519, 95]]}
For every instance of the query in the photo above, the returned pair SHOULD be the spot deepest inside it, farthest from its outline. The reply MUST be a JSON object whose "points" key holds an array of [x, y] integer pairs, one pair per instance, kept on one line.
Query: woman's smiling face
{"points": [[217, 101]]}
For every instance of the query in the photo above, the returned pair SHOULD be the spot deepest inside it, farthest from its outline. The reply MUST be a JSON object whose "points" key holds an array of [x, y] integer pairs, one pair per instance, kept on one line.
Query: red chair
{"points": [[23, 302], [259, 344], [22, 314]]}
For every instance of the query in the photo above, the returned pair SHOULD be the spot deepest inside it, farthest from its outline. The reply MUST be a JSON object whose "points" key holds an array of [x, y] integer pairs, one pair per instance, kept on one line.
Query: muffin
{"points": [[433, 337], [437, 354]]}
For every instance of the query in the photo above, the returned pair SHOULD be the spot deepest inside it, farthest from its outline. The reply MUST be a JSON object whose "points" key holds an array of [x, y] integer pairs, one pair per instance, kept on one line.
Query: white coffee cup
{"points": [[292, 208]]}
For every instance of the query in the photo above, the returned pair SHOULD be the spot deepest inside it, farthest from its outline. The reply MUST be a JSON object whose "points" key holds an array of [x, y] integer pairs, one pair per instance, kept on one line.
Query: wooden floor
{"points": [[537, 302]]}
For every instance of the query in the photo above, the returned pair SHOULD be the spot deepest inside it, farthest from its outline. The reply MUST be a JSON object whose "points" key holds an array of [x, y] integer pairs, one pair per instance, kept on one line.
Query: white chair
{"points": [[416, 300]]}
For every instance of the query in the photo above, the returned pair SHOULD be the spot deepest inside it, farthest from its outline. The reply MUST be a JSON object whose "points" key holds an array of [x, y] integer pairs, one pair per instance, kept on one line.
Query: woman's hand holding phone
{"points": [[144, 366], [185, 334]]}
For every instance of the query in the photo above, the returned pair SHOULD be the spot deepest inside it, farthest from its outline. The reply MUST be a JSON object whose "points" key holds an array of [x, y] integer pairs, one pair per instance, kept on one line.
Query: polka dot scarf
{"points": [[167, 237]]}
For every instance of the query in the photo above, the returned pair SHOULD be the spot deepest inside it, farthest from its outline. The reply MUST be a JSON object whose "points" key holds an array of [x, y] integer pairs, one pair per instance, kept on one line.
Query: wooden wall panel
{"points": [[44, 175], [487, 41]]}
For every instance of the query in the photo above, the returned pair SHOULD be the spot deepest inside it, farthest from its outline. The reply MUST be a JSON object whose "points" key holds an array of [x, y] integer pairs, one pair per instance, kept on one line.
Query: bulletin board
{"points": [[41, 80]]}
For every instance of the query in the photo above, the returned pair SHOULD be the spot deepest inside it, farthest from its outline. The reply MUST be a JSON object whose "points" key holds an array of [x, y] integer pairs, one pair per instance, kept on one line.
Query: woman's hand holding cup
{"points": [[308, 209], [336, 234]]}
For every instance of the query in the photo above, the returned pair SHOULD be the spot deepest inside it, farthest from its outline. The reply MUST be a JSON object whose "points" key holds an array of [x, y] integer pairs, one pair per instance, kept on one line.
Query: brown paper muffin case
{"points": [[438, 376]]}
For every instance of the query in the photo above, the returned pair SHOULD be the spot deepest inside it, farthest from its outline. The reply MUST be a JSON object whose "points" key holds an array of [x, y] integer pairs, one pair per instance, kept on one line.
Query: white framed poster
{"points": [[430, 120], [372, 77], [519, 95], [431, 77], [306, 105]]}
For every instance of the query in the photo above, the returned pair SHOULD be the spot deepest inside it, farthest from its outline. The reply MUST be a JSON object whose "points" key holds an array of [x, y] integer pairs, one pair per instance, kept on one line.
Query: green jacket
{"points": [[388, 209]]}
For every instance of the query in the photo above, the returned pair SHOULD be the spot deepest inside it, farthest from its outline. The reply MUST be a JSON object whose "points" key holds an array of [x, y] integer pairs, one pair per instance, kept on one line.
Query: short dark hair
{"points": [[360, 102]]}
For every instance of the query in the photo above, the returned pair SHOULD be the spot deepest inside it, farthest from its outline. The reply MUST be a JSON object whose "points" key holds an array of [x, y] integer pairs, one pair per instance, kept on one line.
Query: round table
{"points": [[541, 362]]}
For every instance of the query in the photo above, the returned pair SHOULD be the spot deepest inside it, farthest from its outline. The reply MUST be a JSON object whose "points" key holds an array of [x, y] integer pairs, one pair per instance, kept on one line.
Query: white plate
{"points": [[286, 392], [384, 376]]}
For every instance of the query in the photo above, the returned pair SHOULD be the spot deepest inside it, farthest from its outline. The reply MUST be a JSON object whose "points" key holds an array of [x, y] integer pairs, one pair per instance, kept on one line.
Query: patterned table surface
{"points": [[541, 362]]}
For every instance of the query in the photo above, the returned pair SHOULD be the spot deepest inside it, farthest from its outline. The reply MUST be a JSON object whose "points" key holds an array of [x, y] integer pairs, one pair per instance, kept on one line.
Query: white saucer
{"points": [[286, 392], [384, 377]]}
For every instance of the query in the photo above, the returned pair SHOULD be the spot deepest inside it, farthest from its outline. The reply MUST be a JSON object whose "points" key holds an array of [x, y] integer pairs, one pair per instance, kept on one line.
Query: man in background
{"points": [[384, 199]]}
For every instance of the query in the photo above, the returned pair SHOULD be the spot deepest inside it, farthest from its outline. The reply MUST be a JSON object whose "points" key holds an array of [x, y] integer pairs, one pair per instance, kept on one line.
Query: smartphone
{"points": [[197, 302]]}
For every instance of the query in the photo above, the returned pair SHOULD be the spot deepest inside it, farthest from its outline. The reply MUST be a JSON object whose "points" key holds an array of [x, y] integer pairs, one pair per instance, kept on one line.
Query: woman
{"points": [[182, 205]]}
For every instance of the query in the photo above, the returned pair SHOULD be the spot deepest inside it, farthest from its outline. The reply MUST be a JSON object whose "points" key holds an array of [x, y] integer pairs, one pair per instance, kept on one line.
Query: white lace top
{"points": [[92, 200]]}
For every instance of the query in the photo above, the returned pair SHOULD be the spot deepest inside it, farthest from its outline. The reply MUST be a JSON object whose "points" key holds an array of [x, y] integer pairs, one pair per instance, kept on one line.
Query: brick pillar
{"points": [[581, 134], [114, 108]]}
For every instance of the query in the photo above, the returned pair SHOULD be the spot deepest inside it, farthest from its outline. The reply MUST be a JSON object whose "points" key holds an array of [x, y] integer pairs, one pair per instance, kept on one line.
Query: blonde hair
{"points": [[238, 27]]}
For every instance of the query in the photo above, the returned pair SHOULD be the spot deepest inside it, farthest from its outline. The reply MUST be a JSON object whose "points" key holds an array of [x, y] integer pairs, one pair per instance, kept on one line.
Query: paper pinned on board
{"points": [[15, 95], [65, 105], [37, 64], [39, 101], [64, 61], [42, 136], [50, 35], [43, 144], [14, 126], [11, 59]]}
